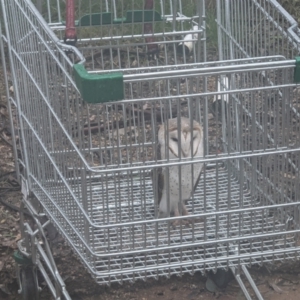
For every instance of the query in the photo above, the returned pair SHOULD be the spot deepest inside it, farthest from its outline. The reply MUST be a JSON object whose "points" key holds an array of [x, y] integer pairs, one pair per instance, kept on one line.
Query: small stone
{"points": [[173, 288], [134, 63], [160, 293]]}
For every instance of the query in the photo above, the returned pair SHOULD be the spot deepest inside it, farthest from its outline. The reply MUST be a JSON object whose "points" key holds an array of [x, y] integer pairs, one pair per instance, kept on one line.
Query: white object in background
{"points": [[189, 41], [223, 85]]}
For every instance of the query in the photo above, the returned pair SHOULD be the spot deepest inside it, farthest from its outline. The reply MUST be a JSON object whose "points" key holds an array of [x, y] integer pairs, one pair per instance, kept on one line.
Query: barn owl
{"points": [[177, 137]]}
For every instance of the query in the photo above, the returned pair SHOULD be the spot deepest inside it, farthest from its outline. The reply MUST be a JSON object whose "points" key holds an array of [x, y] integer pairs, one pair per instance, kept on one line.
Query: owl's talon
{"points": [[187, 222], [180, 222]]}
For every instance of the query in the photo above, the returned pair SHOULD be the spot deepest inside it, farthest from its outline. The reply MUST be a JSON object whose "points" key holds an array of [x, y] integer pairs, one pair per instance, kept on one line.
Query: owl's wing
{"points": [[158, 184], [200, 149], [197, 181], [157, 177]]}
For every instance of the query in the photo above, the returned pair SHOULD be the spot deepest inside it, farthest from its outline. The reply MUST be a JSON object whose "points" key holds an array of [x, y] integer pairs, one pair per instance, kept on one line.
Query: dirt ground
{"points": [[279, 282]]}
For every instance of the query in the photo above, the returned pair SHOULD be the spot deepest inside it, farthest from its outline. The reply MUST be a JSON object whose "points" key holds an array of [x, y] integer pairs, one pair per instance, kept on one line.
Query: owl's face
{"points": [[180, 138]]}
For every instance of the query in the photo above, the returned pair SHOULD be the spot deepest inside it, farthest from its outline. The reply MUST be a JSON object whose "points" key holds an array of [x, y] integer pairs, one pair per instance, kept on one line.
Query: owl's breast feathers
{"points": [[185, 180]]}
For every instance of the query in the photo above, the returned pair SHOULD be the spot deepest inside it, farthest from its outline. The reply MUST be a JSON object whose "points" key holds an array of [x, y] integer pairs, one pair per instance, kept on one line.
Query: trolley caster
{"points": [[28, 281], [27, 277], [219, 280]]}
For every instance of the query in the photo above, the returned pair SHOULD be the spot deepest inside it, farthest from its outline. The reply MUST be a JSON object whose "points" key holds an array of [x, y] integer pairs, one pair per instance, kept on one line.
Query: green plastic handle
{"points": [[21, 259], [96, 88]]}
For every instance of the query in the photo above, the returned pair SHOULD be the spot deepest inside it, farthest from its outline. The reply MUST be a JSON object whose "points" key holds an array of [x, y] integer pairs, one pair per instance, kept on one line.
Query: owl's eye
{"points": [[174, 139]]}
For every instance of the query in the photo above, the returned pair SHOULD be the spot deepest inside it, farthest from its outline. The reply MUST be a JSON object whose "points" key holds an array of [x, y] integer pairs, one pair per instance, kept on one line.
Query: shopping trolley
{"points": [[92, 85]]}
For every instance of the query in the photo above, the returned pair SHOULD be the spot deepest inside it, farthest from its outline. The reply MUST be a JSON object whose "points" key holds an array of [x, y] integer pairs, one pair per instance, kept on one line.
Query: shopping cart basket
{"points": [[91, 88]]}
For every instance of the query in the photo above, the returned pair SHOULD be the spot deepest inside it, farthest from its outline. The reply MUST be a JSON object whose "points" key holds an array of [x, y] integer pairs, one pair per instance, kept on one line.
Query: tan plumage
{"points": [[177, 138]]}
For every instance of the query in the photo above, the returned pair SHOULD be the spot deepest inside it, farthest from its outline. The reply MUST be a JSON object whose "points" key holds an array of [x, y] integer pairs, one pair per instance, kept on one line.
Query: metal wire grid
{"points": [[72, 195], [181, 21], [123, 190], [254, 28], [223, 240], [54, 11]]}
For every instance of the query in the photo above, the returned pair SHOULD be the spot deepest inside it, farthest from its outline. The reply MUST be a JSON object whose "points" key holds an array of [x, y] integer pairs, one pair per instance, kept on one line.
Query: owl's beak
{"points": [[185, 147], [186, 150]]}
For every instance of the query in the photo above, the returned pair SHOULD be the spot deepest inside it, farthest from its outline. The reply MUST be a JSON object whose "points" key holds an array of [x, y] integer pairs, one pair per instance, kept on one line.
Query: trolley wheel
{"points": [[29, 283]]}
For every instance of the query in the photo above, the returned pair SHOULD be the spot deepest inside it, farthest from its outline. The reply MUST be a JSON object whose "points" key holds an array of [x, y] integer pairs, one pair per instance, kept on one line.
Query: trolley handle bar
{"points": [[152, 48], [70, 32]]}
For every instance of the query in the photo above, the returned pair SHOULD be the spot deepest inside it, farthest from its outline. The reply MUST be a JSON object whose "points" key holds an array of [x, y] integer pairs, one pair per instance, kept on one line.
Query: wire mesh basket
{"points": [[87, 120]]}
